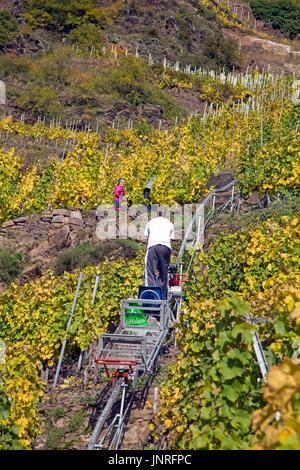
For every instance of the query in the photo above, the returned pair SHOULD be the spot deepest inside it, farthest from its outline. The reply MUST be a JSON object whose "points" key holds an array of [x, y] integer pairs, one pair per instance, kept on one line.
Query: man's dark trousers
{"points": [[157, 257], [147, 196]]}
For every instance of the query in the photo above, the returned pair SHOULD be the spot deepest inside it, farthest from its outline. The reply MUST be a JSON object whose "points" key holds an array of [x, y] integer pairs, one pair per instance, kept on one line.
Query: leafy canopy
{"points": [[62, 16], [283, 14]]}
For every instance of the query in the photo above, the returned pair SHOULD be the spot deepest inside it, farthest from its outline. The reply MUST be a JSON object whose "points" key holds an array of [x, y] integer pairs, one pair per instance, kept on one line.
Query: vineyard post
{"points": [[214, 203], [58, 173], [176, 329], [166, 144], [68, 326], [261, 132], [232, 198], [83, 353], [2, 98], [155, 401], [103, 171]]}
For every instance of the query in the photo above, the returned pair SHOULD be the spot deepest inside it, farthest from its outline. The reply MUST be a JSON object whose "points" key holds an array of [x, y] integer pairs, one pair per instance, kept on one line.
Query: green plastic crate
{"points": [[135, 316]]}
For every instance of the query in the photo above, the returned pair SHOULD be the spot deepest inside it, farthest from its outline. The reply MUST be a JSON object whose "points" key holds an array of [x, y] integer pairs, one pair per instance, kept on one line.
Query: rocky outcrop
{"points": [[40, 237]]}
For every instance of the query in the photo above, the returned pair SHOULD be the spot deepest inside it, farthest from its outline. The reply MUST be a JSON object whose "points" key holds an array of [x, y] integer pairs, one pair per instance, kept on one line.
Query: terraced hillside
{"points": [[180, 90]]}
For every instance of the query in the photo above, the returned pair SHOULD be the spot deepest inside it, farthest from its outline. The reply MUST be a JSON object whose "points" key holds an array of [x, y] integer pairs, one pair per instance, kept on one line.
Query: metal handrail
{"points": [[258, 349], [213, 193], [257, 346]]}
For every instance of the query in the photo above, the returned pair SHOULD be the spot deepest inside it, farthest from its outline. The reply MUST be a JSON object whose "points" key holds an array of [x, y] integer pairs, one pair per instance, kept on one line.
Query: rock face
{"points": [[59, 238], [40, 237]]}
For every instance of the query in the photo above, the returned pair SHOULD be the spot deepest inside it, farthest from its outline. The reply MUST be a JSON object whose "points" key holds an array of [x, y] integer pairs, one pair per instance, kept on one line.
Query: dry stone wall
{"points": [[50, 231], [41, 236]]}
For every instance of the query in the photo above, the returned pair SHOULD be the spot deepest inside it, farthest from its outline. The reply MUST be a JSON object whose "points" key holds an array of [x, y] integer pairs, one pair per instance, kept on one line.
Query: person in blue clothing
{"points": [[147, 190]]}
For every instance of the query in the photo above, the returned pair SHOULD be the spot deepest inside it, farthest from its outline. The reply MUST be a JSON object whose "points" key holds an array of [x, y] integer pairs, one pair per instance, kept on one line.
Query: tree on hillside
{"points": [[222, 52]]}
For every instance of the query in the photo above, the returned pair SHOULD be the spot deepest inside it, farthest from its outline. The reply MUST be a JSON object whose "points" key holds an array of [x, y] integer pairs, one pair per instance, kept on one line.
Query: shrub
{"points": [[9, 439], [54, 438], [134, 82], [57, 15], [222, 52], [14, 67], [64, 16], [10, 265], [87, 35], [222, 92], [8, 27], [58, 412], [40, 100], [76, 421]]}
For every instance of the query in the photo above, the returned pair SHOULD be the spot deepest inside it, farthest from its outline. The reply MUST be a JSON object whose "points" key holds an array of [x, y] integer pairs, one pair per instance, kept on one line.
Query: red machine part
{"points": [[178, 279], [118, 373]]}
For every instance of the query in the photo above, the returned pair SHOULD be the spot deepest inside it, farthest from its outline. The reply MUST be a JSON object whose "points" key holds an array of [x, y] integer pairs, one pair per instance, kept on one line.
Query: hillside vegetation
{"points": [[57, 56], [88, 103], [254, 135], [283, 14]]}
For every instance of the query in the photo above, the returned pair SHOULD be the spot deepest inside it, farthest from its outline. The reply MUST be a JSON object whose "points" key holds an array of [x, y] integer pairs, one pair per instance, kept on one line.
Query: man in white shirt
{"points": [[160, 232]]}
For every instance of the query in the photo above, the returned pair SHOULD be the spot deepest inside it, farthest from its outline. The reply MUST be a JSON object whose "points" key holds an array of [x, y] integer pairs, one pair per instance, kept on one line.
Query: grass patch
{"points": [[77, 420], [91, 254], [274, 212], [58, 412], [66, 82], [54, 438]]}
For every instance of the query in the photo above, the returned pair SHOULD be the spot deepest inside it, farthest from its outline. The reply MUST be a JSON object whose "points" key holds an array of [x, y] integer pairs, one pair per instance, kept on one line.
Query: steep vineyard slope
{"points": [[190, 92]]}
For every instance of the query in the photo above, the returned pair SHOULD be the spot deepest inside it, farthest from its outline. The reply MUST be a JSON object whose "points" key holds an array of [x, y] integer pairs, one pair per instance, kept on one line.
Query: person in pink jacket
{"points": [[119, 193]]}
